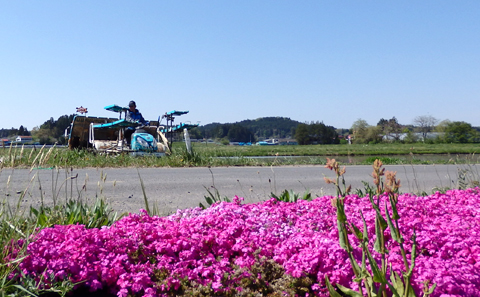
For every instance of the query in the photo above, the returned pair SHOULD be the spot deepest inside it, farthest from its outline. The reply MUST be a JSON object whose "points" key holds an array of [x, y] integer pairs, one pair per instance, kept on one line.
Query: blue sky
{"points": [[226, 61]]}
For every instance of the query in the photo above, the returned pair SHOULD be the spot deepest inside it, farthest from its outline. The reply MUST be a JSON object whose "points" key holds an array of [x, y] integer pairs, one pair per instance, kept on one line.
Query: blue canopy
{"points": [[115, 108], [117, 124]]}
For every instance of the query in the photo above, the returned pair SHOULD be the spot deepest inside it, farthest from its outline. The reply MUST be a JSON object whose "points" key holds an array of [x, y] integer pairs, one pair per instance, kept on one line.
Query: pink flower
{"points": [[216, 285], [203, 246], [237, 200]]}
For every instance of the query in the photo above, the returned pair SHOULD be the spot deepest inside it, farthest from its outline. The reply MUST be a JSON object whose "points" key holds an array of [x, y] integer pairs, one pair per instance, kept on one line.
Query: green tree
{"points": [[50, 124], [302, 135], [411, 137], [390, 128], [359, 130], [442, 126], [42, 135], [373, 135], [195, 133], [323, 134], [364, 133], [460, 132], [316, 133], [276, 127], [13, 132], [4, 133], [52, 131], [237, 133]]}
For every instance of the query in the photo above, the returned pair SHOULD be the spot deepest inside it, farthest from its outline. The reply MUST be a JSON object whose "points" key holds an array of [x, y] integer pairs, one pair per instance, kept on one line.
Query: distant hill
{"points": [[250, 130], [271, 127]]}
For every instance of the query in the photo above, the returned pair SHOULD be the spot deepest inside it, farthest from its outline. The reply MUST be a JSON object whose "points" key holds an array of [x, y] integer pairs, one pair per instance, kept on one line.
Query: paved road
{"points": [[174, 188]]}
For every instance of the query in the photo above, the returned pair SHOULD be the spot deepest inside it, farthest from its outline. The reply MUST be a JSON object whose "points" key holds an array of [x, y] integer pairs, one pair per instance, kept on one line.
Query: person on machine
{"points": [[133, 115]]}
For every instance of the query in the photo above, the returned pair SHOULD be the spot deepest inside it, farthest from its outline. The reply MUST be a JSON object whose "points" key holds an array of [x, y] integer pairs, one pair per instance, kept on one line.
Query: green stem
{"points": [[402, 249], [384, 265]]}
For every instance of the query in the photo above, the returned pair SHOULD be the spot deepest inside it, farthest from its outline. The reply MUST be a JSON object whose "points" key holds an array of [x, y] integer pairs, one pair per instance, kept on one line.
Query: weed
{"points": [[385, 160], [75, 212], [214, 197], [368, 190], [376, 282], [191, 158], [292, 197], [151, 212]]}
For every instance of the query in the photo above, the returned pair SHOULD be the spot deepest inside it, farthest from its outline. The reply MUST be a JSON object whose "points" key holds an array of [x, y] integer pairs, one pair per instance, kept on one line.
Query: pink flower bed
{"points": [[155, 255]]}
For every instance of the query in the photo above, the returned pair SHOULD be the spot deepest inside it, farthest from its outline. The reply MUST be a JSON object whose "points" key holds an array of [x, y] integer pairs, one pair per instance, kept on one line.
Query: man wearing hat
{"points": [[133, 115]]}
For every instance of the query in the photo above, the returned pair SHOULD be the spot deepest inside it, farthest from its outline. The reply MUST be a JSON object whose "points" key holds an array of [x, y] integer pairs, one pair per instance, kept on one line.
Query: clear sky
{"points": [[227, 61]]}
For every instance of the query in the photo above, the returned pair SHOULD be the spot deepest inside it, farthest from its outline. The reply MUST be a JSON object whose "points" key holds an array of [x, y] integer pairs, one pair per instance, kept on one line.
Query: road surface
{"points": [[178, 188]]}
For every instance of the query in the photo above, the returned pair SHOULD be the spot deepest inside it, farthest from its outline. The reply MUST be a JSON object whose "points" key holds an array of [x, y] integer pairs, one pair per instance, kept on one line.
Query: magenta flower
{"points": [[154, 256]]}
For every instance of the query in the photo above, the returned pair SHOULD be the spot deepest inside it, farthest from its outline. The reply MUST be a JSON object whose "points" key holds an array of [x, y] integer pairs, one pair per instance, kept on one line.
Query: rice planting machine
{"points": [[107, 135]]}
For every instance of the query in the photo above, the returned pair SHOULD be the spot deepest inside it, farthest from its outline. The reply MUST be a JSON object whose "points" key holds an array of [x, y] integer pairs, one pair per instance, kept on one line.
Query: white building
{"points": [[23, 139]]}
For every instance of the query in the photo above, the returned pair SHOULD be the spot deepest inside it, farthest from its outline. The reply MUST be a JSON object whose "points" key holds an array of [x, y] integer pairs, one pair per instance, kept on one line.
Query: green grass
{"points": [[340, 149], [225, 155]]}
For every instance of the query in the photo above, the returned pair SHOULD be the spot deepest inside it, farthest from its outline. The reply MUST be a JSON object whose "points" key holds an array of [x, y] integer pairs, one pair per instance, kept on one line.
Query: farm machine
{"points": [[107, 135]]}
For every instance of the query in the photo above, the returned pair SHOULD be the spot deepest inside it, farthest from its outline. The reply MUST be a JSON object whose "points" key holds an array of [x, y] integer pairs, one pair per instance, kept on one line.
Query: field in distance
{"points": [[338, 149]]}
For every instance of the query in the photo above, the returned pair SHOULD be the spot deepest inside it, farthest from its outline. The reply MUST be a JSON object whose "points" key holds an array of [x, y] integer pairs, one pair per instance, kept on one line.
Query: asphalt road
{"points": [[177, 188]]}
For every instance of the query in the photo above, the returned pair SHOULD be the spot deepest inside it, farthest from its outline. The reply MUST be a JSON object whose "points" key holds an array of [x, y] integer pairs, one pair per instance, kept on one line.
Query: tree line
{"points": [[423, 128], [248, 130], [51, 131], [6, 133]]}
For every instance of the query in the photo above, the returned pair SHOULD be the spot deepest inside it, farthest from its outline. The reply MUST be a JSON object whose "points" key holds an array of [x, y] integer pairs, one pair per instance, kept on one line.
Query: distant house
{"points": [[23, 139], [4, 141]]}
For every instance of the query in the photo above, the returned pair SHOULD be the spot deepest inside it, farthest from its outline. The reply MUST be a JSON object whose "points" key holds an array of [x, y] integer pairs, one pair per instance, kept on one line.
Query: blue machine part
{"points": [[179, 127], [143, 142], [116, 125], [177, 112], [115, 108]]}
